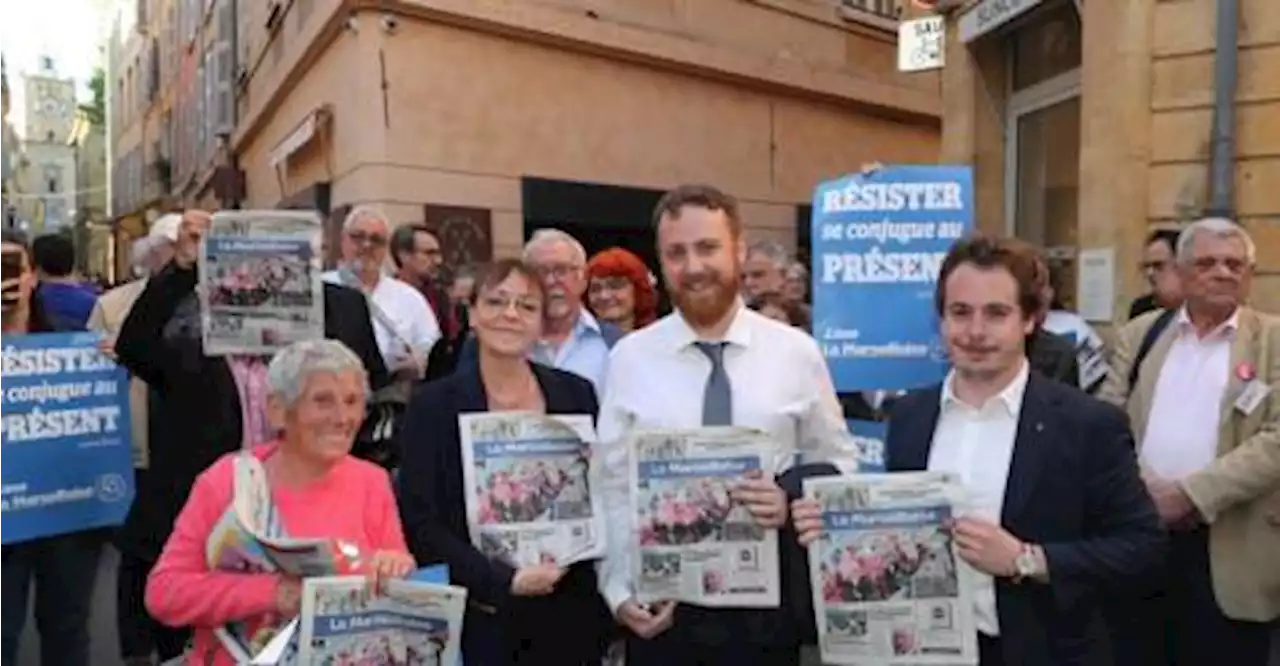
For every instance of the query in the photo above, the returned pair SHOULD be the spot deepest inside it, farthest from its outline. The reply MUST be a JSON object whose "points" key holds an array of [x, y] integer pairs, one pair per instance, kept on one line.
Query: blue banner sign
{"points": [[869, 437], [879, 239], [64, 436]]}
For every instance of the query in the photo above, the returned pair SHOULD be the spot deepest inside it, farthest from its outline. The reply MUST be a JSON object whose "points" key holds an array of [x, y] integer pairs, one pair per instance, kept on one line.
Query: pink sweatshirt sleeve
{"points": [[386, 532], [182, 591]]}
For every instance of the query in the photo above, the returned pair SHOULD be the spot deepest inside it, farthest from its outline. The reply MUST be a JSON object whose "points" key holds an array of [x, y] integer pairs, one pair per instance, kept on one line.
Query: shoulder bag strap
{"points": [[1148, 341]]}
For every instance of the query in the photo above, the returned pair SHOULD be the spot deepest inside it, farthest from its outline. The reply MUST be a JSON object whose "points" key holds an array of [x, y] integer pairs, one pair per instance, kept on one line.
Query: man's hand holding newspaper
{"points": [[984, 545], [763, 498]]}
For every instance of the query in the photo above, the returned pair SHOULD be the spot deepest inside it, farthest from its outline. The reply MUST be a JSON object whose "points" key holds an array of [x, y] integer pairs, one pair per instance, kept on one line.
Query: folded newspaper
{"points": [[405, 623], [695, 543], [530, 495], [887, 586], [260, 281], [249, 538]]}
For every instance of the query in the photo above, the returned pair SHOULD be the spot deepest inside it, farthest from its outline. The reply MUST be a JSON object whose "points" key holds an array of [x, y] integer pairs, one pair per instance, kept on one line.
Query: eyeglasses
{"points": [[524, 306], [557, 271], [611, 283], [361, 238]]}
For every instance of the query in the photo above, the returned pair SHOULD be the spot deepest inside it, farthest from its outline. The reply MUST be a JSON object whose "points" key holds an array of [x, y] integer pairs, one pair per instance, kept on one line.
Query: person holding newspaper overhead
{"points": [[712, 362], [1055, 517], [314, 489], [537, 614]]}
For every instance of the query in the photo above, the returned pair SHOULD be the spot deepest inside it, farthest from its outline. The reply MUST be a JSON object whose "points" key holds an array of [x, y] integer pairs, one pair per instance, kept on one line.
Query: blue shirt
{"points": [[67, 306], [584, 353]]}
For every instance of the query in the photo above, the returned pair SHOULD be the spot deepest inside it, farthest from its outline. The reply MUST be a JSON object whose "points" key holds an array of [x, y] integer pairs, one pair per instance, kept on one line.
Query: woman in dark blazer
{"points": [[541, 614]]}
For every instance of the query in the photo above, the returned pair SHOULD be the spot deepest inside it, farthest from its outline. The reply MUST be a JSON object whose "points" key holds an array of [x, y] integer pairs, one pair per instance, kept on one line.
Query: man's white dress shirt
{"points": [[403, 308], [1186, 411], [975, 443], [657, 378]]}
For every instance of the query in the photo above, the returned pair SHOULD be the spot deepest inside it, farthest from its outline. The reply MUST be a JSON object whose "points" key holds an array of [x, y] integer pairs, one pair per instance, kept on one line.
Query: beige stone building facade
{"points": [[488, 119], [1088, 123]]}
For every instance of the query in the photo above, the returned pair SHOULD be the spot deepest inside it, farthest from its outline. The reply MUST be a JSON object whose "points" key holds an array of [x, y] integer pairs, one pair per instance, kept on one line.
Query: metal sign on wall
{"points": [[921, 44], [988, 15]]}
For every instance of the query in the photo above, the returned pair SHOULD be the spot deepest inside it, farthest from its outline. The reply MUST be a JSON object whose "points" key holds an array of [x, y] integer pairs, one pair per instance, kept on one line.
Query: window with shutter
{"points": [[224, 56]]}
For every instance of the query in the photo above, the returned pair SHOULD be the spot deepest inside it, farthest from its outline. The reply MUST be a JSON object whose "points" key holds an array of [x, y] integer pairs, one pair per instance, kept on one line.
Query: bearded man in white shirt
{"points": [[711, 362]]}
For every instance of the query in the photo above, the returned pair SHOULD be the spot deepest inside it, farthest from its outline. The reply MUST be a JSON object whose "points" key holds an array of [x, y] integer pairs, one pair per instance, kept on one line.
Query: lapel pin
{"points": [[1039, 427], [1246, 372]]}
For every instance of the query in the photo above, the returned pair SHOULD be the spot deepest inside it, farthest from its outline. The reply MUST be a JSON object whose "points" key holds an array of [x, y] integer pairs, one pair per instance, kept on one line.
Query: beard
{"points": [[709, 305]]}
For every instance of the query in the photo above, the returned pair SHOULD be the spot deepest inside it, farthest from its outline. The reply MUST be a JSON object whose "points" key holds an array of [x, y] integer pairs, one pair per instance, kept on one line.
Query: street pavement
{"points": [[103, 623]]}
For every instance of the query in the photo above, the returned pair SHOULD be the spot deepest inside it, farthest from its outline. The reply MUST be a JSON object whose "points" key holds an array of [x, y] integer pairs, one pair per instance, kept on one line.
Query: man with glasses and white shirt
{"points": [[403, 322], [712, 362]]}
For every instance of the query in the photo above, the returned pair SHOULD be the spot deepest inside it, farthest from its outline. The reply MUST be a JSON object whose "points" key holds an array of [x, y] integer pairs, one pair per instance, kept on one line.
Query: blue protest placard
{"points": [[64, 436], [869, 437], [879, 239]]}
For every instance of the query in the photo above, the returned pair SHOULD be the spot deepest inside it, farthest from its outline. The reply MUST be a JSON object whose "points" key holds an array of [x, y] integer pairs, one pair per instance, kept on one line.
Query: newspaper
{"points": [[405, 623], [529, 489], [257, 517], [887, 586], [696, 545], [260, 277]]}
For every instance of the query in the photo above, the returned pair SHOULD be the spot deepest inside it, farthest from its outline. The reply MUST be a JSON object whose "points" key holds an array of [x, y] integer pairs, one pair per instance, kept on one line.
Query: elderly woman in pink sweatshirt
{"points": [[209, 580]]}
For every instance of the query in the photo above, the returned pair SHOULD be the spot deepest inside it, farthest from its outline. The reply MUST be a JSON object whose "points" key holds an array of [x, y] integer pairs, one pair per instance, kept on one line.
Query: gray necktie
{"points": [[717, 399]]}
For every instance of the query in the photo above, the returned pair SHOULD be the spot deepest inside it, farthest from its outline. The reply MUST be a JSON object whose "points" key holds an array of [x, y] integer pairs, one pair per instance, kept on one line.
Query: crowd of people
{"points": [[1085, 552]]}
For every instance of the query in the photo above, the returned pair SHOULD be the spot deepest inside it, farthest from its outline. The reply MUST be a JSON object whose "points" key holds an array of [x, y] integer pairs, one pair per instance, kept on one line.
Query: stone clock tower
{"points": [[49, 164], [50, 102]]}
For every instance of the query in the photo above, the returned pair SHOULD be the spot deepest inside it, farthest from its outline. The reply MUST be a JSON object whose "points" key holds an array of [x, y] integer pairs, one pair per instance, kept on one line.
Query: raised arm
{"points": [[141, 347]]}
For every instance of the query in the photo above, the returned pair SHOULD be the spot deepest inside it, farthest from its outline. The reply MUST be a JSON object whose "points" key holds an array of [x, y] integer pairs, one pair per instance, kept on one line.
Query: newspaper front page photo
{"points": [[528, 485], [887, 585], [695, 544], [260, 287]]}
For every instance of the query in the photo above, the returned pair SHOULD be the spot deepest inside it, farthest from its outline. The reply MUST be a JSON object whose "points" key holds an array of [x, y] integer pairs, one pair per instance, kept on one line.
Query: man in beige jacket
{"points": [[1204, 401]]}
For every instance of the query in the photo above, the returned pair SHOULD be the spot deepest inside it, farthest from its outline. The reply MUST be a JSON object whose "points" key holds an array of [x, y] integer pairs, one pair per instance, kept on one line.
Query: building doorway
{"points": [[599, 216], [1042, 146]]}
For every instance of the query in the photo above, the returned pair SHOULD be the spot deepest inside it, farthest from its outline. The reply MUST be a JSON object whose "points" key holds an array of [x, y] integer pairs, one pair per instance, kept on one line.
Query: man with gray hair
{"points": [[765, 270], [1201, 384], [405, 326], [572, 339]]}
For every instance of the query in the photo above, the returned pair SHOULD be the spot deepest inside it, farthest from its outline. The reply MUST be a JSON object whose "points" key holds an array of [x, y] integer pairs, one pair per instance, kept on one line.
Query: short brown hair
{"points": [[702, 196], [494, 274], [1019, 258]]}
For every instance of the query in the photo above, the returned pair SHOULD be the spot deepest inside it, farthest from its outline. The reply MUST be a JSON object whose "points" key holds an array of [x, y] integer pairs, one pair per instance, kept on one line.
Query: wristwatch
{"points": [[1026, 564]]}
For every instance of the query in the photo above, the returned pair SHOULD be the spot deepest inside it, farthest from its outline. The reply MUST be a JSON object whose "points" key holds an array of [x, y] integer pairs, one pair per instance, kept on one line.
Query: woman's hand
{"points": [[389, 564], [806, 516], [289, 596], [536, 580]]}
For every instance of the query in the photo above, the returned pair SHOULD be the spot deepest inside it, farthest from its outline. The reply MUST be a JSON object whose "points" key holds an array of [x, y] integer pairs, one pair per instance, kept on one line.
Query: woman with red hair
{"points": [[621, 290]]}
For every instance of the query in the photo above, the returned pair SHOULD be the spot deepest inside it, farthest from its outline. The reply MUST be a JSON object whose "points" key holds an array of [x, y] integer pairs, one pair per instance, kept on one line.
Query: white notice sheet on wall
{"points": [[1096, 284]]}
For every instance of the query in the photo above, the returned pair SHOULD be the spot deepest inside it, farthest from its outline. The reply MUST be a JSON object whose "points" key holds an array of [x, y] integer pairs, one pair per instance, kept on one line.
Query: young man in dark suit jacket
{"points": [[1057, 516]]}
